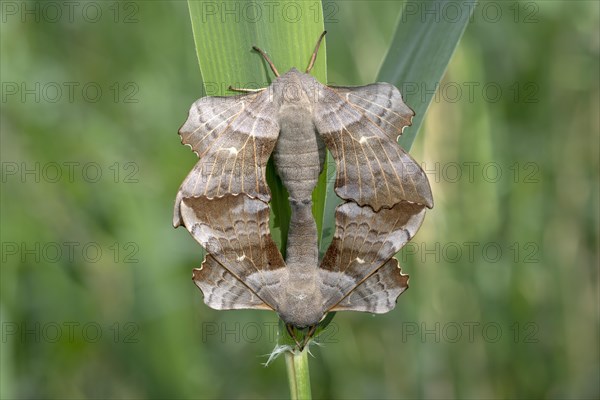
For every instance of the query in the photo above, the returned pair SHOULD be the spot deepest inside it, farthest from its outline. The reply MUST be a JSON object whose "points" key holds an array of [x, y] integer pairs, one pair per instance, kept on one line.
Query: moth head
{"points": [[296, 88]]}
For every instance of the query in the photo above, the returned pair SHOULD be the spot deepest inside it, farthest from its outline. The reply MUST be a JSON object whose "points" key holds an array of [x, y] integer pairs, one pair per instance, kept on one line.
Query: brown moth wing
{"points": [[234, 230], [222, 290], [378, 293], [382, 103], [363, 242], [361, 131], [234, 137]]}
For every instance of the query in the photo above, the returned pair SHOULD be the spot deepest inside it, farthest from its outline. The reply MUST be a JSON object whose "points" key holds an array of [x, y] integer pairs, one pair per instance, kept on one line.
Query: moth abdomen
{"points": [[302, 255]]}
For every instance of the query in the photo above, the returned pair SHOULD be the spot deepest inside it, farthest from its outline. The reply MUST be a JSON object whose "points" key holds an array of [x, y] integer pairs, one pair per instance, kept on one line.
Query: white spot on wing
{"points": [[359, 260], [364, 139], [232, 150], [241, 258]]}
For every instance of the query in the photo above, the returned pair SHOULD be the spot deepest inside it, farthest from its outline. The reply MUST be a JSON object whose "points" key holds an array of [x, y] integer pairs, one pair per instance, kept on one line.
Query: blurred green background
{"points": [[96, 295]]}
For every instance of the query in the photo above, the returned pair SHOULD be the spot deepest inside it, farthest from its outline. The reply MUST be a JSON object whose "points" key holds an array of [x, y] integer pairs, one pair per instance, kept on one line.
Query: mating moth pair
{"points": [[223, 202]]}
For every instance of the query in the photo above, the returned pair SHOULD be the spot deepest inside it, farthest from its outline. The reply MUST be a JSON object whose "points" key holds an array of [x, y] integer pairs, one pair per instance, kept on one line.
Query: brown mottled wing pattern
{"points": [[234, 230], [379, 292], [222, 290], [234, 137], [360, 127], [382, 104], [363, 242]]}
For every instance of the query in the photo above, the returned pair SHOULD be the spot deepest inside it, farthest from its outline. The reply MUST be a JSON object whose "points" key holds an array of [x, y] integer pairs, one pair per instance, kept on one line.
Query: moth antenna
{"points": [[268, 60], [314, 54], [243, 90]]}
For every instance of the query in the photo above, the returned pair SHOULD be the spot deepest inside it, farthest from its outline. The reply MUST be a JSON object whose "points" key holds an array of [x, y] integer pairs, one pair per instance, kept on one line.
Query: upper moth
{"points": [[223, 202]]}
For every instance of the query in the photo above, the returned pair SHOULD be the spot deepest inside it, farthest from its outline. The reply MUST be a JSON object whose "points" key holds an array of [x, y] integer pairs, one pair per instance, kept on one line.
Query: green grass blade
{"points": [[224, 43], [419, 54]]}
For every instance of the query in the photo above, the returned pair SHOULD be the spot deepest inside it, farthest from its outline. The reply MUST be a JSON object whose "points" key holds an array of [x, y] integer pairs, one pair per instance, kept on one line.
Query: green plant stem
{"points": [[298, 374]]}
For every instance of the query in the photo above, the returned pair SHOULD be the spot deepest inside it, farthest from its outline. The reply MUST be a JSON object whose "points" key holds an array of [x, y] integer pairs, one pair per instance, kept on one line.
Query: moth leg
{"points": [[243, 90], [292, 333], [311, 332]]}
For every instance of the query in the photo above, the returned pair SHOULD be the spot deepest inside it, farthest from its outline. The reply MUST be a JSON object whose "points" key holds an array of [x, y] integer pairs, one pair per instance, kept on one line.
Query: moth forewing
{"points": [[372, 169], [224, 291], [363, 242], [234, 137], [235, 231], [382, 104], [378, 293]]}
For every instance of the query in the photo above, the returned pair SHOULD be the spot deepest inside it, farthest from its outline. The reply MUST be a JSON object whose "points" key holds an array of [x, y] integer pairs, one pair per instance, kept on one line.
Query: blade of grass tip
{"points": [[420, 53], [418, 56]]}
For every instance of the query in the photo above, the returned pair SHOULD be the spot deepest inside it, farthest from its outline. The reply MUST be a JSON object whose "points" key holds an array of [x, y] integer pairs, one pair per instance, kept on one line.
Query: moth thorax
{"points": [[295, 89]]}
